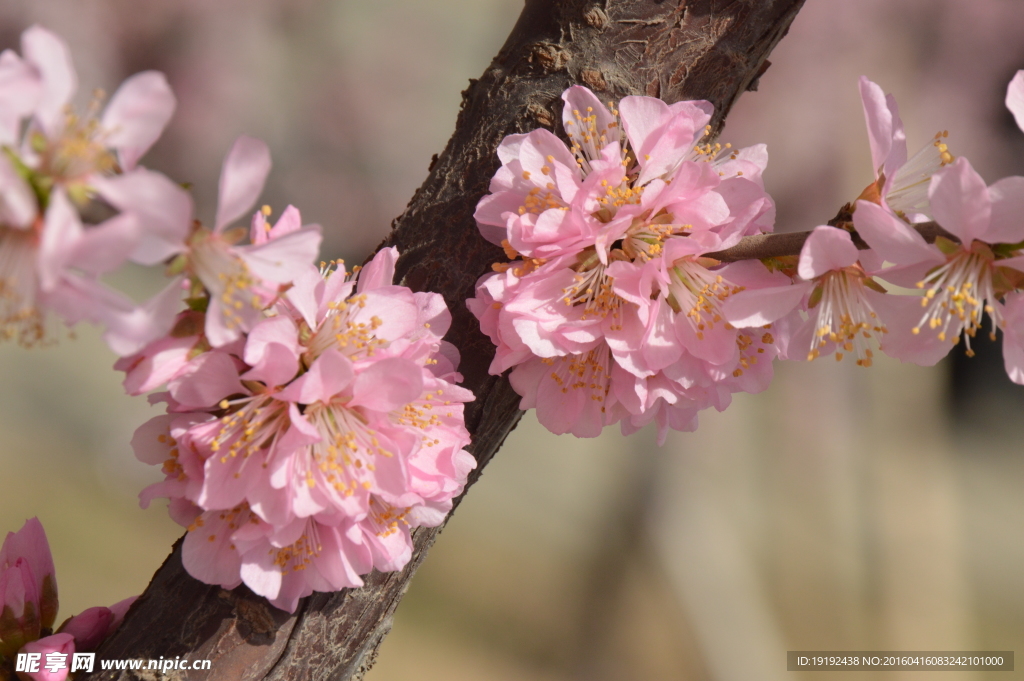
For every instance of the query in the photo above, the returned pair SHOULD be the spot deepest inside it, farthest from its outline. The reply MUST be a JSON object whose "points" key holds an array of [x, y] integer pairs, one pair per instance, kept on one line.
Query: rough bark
{"points": [[673, 49]]}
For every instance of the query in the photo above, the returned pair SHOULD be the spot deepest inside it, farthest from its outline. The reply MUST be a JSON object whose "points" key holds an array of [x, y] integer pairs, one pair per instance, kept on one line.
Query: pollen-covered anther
{"points": [[699, 293], [958, 294], [844, 317]]}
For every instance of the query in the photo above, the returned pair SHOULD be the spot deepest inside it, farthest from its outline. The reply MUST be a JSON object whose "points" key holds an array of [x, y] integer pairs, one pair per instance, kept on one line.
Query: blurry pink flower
{"points": [[242, 280], [28, 587], [62, 145], [50, 260], [56, 652]]}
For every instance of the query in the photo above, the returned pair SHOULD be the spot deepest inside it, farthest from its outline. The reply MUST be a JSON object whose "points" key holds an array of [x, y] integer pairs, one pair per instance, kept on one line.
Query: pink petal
{"points": [[242, 178], [20, 89], [281, 260], [641, 116], [893, 239], [901, 314], [209, 378], [879, 121], [1006, 225], [119, 610], [826, 249], [208, 553], [260, 231], [272, 350], [329, 374], [579, 99], [18, 206], [130, 327], [960, 201], [105, 247], [164, 210], [61, 233], [1015, 98], [388, 385], [159, 362], [380, 271], [31, 544], [48, 53], [306, 292], [757, 307], [137, 115]]}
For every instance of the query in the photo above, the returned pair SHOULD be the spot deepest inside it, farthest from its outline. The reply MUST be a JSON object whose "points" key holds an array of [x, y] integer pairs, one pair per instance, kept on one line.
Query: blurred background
{"points": [[844, 509]]}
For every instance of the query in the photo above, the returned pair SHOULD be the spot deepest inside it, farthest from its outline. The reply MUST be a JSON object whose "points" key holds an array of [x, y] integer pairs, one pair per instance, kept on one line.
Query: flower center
{"points": [[958, 293], [845, 317], [700, 293]]}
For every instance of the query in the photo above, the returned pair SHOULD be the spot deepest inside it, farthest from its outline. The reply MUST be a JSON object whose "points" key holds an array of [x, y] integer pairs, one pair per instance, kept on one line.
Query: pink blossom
{"points": [[49, 260], [242, 280], [846, 309], [961, 281], [302, 455], [608, 311]]}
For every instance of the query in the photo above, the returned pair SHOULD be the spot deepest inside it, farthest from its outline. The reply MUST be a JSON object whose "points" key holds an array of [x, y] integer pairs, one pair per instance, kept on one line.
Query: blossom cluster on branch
{"points": [[314, 415], [609, 309]]}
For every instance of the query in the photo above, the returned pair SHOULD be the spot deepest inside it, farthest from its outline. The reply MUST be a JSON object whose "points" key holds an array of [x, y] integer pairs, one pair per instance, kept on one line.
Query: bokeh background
{"points": [[843, 509]]}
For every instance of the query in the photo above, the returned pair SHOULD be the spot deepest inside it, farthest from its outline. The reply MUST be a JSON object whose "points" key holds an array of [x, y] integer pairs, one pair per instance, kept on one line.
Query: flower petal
{"points": [[48, 53], [1015, 98], [893, 239], [137, 115], [242, 178], [960, 201], [826, 249]]}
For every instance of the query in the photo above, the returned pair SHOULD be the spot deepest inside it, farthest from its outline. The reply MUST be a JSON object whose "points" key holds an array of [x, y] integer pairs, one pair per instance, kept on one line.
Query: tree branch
{"points": [[673, 49], [761, 246]]}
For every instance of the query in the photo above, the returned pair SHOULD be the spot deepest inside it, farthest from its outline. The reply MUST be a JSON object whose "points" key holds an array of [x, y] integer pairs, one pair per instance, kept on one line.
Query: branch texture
{"points": [[673, 49]]}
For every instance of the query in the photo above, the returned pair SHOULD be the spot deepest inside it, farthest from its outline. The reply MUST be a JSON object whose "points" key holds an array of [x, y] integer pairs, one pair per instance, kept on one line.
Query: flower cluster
{"points": [[312, 416], [28, 608], [972, 272], [301, 454], [53, 162], [609, 311]]}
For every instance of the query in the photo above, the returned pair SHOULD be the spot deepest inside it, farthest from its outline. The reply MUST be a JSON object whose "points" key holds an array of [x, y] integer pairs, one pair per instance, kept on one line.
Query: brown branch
{"points": [[673, 49], [761, 246]]}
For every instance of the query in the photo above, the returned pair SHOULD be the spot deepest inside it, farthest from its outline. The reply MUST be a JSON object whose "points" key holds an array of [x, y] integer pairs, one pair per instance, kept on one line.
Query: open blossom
{"points": [[608, 311], [901, 184], [847, 312], [962, 281], [301, 455], [55, 161]]}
